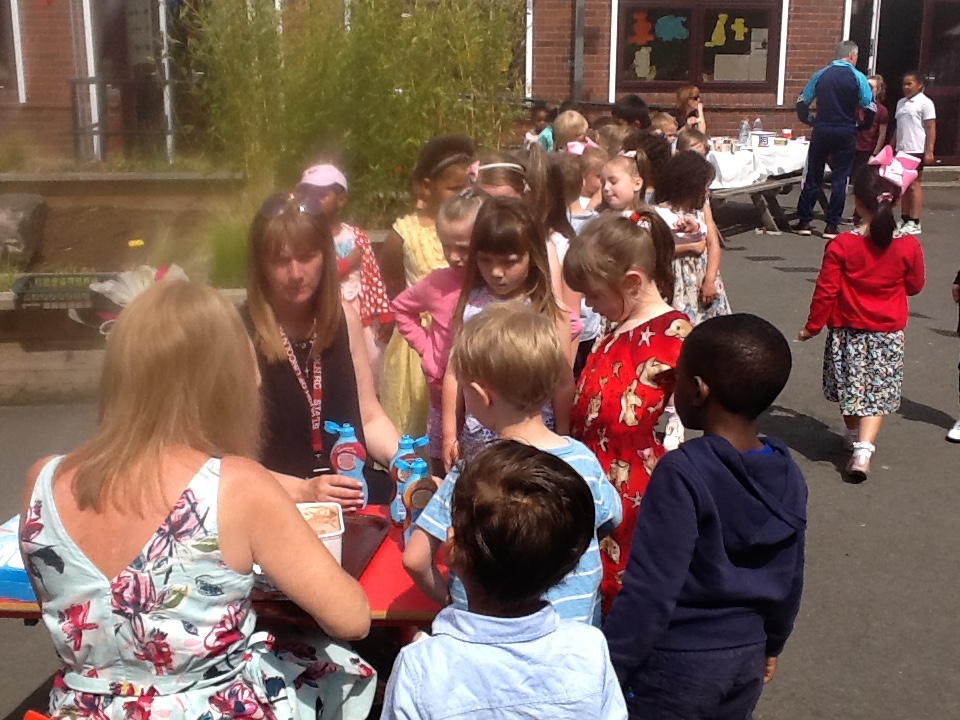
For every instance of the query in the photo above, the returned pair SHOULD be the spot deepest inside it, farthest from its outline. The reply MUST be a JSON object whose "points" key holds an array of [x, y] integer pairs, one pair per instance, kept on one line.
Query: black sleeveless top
{"points": [[287, 445]]}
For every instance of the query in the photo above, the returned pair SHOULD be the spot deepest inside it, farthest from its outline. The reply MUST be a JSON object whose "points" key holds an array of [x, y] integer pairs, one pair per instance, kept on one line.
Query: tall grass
{"points": [[367, 97]]}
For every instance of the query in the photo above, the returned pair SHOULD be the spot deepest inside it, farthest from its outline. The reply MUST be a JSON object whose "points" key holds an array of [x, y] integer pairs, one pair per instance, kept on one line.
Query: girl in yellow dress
{"points": [[411, 251]]}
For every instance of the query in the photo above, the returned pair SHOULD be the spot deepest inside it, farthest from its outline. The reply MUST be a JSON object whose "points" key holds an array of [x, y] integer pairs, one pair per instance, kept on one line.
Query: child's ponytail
{"points": [[645, 173], [883, 224], [537, 165], [877, 196], [664, 245], [612, 244]]}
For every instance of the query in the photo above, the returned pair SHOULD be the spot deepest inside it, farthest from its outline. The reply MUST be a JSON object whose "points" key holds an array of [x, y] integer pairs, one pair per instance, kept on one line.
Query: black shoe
{"points": [[830, 232], [802, 228]]}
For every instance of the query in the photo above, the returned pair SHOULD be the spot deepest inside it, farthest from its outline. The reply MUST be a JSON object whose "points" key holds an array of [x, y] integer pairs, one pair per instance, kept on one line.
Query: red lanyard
{"points": [[314, 399]]}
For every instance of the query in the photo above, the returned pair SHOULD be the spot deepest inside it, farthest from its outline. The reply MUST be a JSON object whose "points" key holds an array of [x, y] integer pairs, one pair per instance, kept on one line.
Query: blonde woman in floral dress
{"points": [[140, 544]]}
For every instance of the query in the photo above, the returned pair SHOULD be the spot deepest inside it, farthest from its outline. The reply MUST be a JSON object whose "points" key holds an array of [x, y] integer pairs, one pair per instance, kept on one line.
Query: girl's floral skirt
{"points": [[863, 371]]}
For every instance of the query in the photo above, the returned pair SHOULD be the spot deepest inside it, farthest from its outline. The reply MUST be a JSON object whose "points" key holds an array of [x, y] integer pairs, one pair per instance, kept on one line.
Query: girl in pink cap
{"points": [[361, 285]]}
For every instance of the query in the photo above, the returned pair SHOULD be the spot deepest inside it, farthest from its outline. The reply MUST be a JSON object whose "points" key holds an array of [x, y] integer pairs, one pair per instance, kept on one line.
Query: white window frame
{"points": [[18, 51], [528, 52], [782, 69]]}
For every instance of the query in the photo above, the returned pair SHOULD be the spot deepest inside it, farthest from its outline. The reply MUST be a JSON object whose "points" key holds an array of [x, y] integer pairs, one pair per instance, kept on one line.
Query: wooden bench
{"points": [[765, 199]]}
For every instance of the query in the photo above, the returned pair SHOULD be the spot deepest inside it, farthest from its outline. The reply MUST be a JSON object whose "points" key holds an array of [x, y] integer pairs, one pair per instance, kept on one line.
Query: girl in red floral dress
{"points": [[623, 267]]}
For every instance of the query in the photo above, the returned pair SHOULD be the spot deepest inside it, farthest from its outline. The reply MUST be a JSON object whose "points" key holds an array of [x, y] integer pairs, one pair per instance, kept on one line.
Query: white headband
{"points": [[504, 165]]}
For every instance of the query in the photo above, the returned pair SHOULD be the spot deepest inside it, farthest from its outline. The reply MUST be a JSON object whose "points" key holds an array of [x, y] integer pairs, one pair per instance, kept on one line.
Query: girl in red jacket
{"points": [[861, 296]]}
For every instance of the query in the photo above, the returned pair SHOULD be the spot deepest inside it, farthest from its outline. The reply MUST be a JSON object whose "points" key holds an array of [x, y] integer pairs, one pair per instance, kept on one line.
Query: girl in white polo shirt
{"points": [[916, 134]]}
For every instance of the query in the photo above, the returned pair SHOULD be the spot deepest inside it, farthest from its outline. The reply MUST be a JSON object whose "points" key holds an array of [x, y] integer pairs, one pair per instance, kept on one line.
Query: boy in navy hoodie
{"points": [[713, 584]]}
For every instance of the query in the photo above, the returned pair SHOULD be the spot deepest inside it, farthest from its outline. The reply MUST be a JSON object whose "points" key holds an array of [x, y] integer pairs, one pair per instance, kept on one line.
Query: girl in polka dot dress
{"points": [[360, 283]]}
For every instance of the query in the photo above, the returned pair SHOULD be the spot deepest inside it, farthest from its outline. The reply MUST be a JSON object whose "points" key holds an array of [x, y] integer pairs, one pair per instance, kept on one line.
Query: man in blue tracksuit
{"points": [[839, 89]]}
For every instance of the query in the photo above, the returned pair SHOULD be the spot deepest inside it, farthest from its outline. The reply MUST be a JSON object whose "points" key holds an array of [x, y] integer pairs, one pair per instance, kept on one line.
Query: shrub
{"points": [[278, 90]]}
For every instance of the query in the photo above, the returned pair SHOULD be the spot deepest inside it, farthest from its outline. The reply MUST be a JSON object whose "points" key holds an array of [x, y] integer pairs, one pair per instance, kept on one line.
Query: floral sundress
{"points": [[621, 394], [689, 272], [173, 635]]}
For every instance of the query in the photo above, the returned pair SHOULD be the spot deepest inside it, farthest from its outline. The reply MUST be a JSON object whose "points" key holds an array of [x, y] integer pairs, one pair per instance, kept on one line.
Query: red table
{"points": [[394, 599]]}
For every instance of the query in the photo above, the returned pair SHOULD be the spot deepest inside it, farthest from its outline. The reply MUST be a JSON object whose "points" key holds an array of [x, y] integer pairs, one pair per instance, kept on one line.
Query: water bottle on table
{"points": [[417, 493], [348, 455], [400, 473], [744, 137]]}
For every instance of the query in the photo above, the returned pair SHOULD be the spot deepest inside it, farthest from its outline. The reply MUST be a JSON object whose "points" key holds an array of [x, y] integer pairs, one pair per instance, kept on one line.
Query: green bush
{"points": [[280, 90], [226, 237]]}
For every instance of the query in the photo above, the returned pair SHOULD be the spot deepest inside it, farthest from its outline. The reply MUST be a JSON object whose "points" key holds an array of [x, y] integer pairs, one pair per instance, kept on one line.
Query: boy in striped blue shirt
{"points": [[508, 361]]}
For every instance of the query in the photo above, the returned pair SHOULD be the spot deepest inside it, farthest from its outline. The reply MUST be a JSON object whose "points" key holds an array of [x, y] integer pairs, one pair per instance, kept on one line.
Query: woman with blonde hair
{"points": [[312, 356], [140, 544]]}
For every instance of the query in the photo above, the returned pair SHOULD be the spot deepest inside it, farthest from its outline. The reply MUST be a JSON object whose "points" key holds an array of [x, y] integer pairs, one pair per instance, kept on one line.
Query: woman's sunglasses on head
{"points": [[276, 205]]}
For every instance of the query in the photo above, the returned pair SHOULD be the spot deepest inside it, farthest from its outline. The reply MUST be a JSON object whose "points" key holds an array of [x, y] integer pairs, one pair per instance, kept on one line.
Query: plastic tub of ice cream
{"points": [[326, 520]]}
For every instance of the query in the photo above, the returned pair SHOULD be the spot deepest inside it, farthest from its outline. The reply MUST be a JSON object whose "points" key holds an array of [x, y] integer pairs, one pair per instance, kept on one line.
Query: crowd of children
{"points": [[549, 307], [542, 301]]}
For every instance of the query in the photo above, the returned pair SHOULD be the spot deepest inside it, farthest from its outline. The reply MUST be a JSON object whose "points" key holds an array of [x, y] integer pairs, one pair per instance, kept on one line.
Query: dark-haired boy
{"points": [[540, 121], [521, 520], [715, 574], [632, 110]]}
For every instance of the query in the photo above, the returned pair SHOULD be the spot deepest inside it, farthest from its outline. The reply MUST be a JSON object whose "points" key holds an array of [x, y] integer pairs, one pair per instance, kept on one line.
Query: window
{"points": [[720, 45], [8, 63]]}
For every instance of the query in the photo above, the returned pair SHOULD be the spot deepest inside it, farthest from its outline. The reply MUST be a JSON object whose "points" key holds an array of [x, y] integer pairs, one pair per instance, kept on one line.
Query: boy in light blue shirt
{"points": [[508, 360], [521, 518]]}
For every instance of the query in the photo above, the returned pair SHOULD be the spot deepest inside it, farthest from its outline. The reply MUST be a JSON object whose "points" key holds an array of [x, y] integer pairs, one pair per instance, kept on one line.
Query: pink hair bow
{"points": [[576, 147], [901, 169]]}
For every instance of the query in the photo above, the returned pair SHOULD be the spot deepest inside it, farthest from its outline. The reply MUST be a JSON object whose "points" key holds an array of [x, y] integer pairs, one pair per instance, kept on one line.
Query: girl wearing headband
{"points": [[411, 251]]}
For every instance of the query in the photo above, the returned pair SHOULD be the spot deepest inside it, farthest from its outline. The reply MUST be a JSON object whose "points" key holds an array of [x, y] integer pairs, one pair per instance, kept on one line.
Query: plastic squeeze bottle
{"points": [[420, 488], [348, 455], [400, 473]]}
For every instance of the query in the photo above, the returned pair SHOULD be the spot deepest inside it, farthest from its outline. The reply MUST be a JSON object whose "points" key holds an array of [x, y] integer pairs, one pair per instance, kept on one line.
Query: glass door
{"points": [[864, 31], [940, 61]]}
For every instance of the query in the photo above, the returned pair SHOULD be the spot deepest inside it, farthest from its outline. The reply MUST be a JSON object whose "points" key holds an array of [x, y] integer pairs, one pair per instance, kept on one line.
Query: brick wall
{"points": [[814, 28], [43, 124]]}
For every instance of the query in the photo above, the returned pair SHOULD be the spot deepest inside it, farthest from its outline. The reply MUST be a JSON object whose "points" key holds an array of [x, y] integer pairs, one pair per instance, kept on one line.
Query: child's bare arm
{"points": [[563, 404], [450, 406], [418, 561], [407, 307], [708, 291], [769, 669], [931, 127], [566, 390], [391, 264]]}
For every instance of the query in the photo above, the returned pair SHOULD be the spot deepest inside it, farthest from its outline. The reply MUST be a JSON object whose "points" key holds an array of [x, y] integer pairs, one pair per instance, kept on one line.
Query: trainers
{"points": [[953, 435], [850, 438], [674, 434], [859, 466], [830, 232], [910, 227], [802, 228]]}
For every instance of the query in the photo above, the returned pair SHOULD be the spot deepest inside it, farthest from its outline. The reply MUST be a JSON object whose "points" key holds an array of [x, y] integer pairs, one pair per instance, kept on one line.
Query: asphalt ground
{"points": [[878, 636]]}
